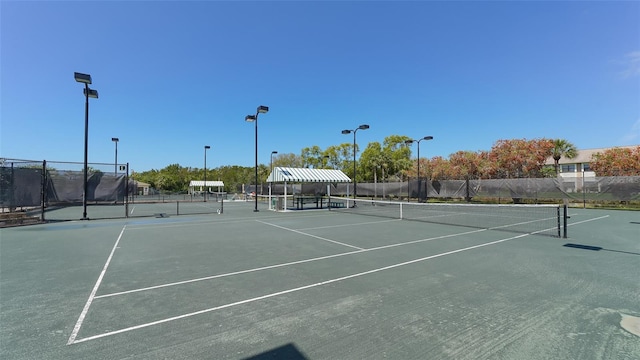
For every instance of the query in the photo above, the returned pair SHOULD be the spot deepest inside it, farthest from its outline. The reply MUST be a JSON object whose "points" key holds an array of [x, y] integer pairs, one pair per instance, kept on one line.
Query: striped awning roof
{"points": [[210, 183], [282, 174]]}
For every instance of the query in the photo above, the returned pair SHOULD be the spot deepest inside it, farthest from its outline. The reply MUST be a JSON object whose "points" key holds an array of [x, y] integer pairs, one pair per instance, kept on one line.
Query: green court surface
{"points": [[318, 284]]}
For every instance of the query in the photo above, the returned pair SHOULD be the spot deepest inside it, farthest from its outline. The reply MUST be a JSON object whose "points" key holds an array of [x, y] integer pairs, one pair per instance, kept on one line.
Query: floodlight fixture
{"points": [[82, 78], [250, 118], [90, 93], [263, 109]]}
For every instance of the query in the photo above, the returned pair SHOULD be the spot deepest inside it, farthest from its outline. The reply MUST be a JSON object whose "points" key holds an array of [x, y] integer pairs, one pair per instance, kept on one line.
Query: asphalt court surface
{"points": [[318, 285]]}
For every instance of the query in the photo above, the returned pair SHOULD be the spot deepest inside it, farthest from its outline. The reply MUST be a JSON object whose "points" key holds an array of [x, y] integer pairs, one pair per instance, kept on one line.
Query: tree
{"points": [[562, 148], [312, 157], [399, 153], [287, 160], [373, 162], [468, 164], [438, 168], [518, 158], [617, 162]]}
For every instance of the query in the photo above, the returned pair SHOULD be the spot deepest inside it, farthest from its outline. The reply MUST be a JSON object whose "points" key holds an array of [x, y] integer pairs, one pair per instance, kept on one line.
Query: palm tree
{"points": [[562, 148]]}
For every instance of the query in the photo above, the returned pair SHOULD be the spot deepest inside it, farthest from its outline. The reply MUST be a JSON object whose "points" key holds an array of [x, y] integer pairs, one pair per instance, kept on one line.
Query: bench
{"points": [[301, 200]]}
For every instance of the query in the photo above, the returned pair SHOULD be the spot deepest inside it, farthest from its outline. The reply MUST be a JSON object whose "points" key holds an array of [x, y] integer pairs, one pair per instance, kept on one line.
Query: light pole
{"points": [[354, 131], [409, 142], [254, 118], [206, 147], [88, 93], [271, 162], [270, 174], [115, 168]]}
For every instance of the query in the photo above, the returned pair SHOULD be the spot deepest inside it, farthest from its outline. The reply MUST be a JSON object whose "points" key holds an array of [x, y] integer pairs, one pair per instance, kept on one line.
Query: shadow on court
{"points": [[289, 351], [597, 248]]}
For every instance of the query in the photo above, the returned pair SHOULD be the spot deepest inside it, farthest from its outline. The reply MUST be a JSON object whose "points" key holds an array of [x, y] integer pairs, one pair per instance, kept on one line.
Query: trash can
{"points": [[280, 206]]}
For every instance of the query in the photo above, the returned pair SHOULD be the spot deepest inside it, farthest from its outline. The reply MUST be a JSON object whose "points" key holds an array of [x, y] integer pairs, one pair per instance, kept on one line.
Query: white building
{"points": [[580, 165]]}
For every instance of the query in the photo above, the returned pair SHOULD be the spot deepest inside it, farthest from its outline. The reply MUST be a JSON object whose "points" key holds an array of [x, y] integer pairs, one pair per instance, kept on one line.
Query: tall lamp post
{"points": [[409, 142], [270, 173], [206, 147], [254, 118], [354, 131], [271, 162], [115, 168], [88, 93]]}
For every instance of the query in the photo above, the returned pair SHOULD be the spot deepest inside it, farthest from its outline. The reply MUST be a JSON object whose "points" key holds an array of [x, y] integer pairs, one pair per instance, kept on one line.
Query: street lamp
{"points": [[271, 163], [88, 93], [115, 140], [206, 147], [409, 142], [254, 118], [270, 175], [361, 127]]}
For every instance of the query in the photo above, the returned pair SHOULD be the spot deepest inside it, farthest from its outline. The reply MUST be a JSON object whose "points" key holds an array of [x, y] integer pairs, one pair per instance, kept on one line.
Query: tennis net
{"points": [[528, 219]]}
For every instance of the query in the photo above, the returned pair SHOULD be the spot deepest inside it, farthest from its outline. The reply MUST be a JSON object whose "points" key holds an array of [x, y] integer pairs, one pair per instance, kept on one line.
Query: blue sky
{"points": [[175, 76]]}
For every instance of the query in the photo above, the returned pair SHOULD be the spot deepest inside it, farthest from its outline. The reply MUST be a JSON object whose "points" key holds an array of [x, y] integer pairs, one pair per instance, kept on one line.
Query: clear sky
{"points": [[175, 76]]}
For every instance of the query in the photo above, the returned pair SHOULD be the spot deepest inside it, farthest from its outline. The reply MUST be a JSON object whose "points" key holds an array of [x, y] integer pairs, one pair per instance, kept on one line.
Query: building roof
{"points": [[585, 155], [287, 174], [194, 183]]}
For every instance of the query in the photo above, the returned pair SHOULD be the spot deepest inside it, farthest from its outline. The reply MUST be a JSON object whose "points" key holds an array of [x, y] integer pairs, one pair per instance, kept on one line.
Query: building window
{"points": [[568, 168], [586, 167]]}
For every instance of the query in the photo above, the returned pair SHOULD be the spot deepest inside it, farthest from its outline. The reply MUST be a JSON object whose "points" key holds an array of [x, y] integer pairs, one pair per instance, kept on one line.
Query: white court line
{"points": [[313, 236], [132, 209], [136, 327], [76, 328], [285, 264], [584, 221], [343, 225]]}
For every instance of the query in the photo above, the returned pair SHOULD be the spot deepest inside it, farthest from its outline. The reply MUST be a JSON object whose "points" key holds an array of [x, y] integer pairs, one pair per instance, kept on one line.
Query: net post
{"points": [[401, 210], [177, 207], [558, 220], [221, 205], [565, 217]]}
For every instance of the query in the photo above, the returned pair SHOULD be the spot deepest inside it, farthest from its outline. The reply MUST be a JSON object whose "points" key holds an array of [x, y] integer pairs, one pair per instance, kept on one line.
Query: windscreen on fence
{"points": [[589, 188]]}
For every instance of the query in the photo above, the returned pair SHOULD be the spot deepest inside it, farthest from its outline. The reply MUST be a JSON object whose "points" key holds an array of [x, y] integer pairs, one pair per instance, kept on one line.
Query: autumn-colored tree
{"points": [[519, 157], [468, 164], [562, 148], [617, 162], [438, 168]]}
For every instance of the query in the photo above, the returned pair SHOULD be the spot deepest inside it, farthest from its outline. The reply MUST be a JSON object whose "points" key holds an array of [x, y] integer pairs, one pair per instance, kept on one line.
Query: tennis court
{"points": [[319, 284]]}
